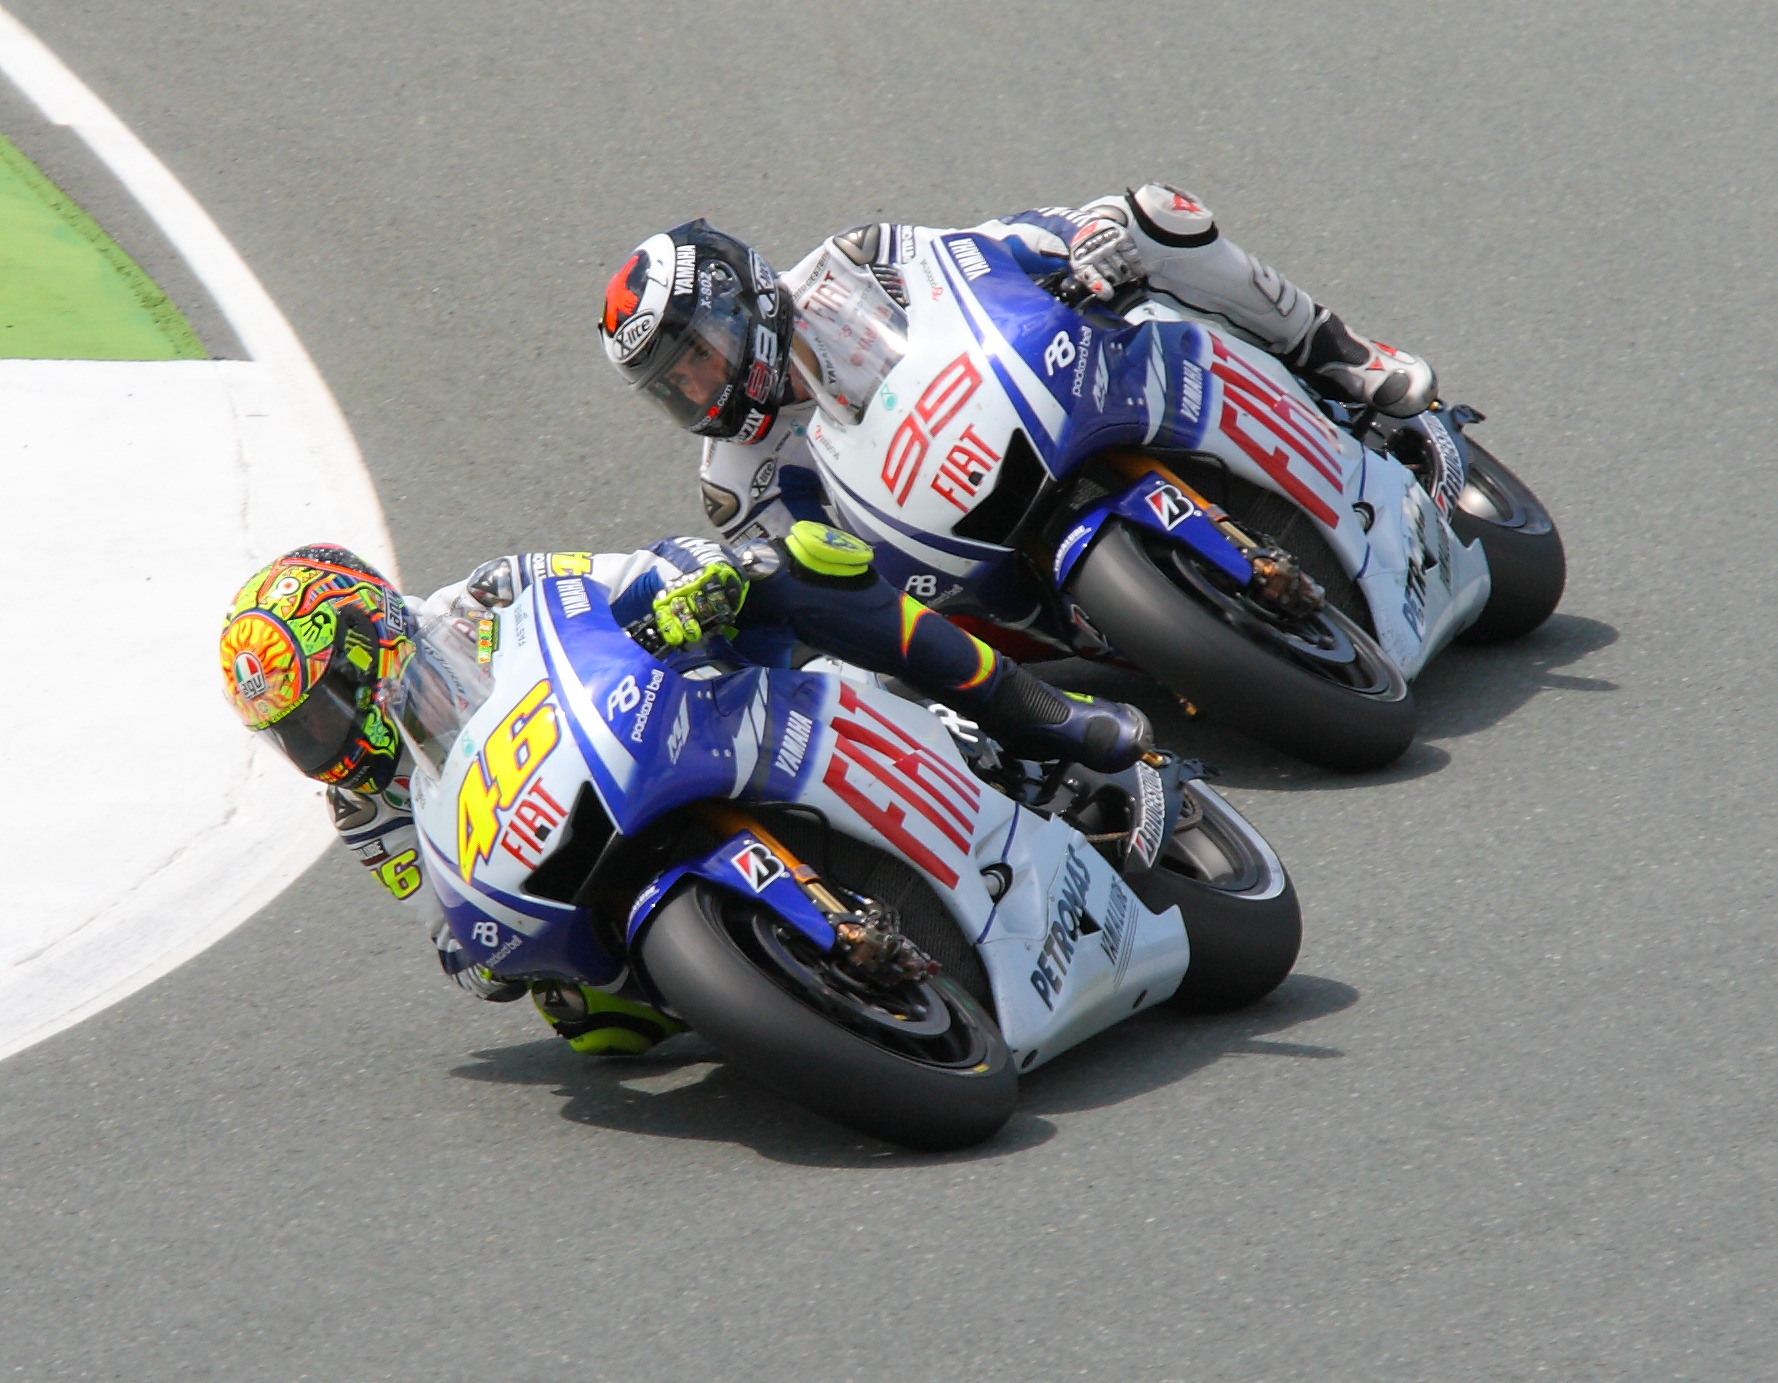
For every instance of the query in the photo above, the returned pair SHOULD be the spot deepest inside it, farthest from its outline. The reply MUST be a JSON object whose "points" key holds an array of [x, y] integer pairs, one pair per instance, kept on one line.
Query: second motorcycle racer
{"points": [[701, 325]]}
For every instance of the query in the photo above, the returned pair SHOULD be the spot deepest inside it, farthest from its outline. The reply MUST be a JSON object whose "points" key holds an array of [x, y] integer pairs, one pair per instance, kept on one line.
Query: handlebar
{"points": [[1071, 292]]}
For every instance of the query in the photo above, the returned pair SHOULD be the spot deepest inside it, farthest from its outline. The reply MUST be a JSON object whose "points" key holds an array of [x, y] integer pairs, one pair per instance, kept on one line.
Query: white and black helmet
{"points": [[700, 324]]}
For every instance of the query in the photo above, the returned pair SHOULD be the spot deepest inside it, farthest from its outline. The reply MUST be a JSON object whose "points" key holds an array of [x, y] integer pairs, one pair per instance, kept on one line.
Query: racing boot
{"points": [[1035, 721], [1357, 370], [597, 1023]]}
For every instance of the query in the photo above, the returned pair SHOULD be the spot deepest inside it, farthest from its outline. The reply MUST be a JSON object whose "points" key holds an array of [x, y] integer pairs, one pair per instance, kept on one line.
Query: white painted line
{"points": [[139, 495]]}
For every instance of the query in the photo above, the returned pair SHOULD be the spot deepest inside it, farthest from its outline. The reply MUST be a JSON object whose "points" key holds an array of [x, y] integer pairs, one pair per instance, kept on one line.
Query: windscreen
{"points": [[444, 685], [849, 335]]}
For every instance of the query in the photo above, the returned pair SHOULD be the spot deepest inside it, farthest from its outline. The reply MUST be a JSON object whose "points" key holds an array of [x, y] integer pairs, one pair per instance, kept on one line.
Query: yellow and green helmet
{"points": [[307, 642]]}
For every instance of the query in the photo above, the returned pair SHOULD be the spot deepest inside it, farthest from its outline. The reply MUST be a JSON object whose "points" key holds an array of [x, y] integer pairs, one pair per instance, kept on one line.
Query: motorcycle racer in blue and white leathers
{"points": [[318, 654], [720, 361]]}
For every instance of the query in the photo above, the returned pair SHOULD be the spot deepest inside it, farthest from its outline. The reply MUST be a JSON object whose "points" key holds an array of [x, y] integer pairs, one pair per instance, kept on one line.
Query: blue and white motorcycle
{"points": [[855, 899], [1132, 479]]}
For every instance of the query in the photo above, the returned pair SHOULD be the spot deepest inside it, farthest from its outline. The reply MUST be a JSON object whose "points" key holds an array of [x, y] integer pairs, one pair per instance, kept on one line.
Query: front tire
{"points": [[917, 1064], [1526, 563], [1319, 689], [1240, 908]]}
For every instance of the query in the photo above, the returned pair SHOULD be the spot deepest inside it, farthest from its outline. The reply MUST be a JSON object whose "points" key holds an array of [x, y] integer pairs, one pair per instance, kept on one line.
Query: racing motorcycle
{"points": [[1132, 479], [852, 895]]}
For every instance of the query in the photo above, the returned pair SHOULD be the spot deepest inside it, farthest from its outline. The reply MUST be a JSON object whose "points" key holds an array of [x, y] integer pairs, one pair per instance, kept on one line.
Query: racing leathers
{"points": [[693, 602], [759, 488]]}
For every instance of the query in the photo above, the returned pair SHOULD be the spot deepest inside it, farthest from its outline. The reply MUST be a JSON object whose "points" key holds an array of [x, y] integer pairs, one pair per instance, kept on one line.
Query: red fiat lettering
{"points": [[915, 778], [1247, 398]]}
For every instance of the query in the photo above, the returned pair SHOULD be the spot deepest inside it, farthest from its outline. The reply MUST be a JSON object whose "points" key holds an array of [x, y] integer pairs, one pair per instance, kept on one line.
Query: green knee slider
{"points": [[594, 1022], [827, 551]]}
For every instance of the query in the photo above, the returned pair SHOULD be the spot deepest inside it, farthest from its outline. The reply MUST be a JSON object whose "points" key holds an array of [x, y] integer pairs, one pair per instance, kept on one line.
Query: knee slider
{"points": [[1171, 217], [827, 555]]}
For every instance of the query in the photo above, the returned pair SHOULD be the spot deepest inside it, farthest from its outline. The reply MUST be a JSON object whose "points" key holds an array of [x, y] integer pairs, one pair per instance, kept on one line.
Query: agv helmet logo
{"points": [[250, 679], [637, 296]]}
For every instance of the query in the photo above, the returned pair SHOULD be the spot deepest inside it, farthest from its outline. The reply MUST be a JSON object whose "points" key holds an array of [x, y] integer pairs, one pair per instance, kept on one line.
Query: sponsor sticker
{"points": [[575, 599], [797, 730], [757, 865], [1191, 391], [1169, 505], [1067, 908], [1151, 815], [969, 258]]}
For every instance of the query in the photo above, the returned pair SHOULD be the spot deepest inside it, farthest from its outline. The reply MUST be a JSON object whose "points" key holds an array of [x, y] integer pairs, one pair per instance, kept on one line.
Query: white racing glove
{"points": [[1103, 256]]}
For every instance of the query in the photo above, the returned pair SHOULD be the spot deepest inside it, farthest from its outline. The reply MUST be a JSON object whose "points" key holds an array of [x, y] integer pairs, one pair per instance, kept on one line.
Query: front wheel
{"points": [[1317, 688], [919, 1064], [1241, 914], [1526, 564]]}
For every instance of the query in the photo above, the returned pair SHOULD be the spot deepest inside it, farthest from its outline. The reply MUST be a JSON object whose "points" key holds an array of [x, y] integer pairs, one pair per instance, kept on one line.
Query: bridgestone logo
{"points": [[1151, 814]]}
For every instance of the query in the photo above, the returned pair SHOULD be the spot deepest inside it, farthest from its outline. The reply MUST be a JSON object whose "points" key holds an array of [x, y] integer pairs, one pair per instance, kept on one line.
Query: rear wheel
{"points": [[1240, 908], [1317, 688], [919, 1064], [1526, 564]]}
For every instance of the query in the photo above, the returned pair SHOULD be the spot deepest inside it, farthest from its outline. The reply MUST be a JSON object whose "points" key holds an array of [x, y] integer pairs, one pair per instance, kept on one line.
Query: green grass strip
{"points": [[67, 289]]}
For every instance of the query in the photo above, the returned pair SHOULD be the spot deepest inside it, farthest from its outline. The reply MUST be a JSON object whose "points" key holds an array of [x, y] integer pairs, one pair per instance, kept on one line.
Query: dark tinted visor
{"points": [[316, 734], [692, 383]]}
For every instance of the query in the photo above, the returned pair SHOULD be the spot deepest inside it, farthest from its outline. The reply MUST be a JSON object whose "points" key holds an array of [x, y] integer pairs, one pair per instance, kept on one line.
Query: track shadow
{"points": [[1162, 1047], [1465, 689], [683, 1089], [1472, 687]]}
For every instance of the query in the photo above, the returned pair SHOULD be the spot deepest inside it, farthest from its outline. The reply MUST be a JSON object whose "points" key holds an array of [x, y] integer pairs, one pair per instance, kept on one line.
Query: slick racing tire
{"points": [[920, 1064], [1240, 908], [1525, 560], [1319, 689]]}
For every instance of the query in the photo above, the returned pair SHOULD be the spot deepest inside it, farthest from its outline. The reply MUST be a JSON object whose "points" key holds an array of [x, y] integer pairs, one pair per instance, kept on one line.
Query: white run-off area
{"points": [[144, 823]]}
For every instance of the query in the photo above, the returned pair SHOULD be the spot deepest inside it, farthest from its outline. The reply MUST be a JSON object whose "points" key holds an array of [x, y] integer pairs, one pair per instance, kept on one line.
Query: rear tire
{"points": [[1526, 563], [919, 1065], [1240, 909], [1323, 692]]}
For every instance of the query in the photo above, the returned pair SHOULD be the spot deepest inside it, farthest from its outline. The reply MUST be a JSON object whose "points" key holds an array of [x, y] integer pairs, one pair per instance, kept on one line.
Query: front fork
{"points": [[863, 934], [1167, 504]]}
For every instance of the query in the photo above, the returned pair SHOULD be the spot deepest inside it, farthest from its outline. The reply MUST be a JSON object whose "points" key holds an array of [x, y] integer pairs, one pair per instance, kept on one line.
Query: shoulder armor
{"points": [[861, 242], [491, 583], [721, 505], [351, 809]]}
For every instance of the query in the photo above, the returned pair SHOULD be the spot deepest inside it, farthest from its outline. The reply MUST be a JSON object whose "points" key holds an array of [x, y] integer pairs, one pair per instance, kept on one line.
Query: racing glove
{"points": [[1103, 256], [697, 604]]}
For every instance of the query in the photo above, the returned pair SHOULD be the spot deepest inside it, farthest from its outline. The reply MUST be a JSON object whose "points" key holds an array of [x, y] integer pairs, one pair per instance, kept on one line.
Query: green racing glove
{"points": [[700, 603]]}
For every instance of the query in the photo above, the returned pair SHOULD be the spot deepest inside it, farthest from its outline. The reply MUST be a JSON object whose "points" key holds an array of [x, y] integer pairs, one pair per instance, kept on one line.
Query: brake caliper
{"points": [[1280, 582], [869, 944]]}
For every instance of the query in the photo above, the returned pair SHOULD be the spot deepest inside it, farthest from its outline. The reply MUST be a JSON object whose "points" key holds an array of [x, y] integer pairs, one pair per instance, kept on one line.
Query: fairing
{"points": [[993, 358]]}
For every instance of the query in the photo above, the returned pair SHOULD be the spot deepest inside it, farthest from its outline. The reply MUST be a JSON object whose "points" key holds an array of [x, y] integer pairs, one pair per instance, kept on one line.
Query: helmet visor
{"points": [[695, 380], [316, 733]]}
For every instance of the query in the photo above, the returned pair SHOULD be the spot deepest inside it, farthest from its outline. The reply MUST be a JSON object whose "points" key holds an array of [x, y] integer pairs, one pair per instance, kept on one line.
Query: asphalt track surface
{"points": [[1512, 1118]]}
